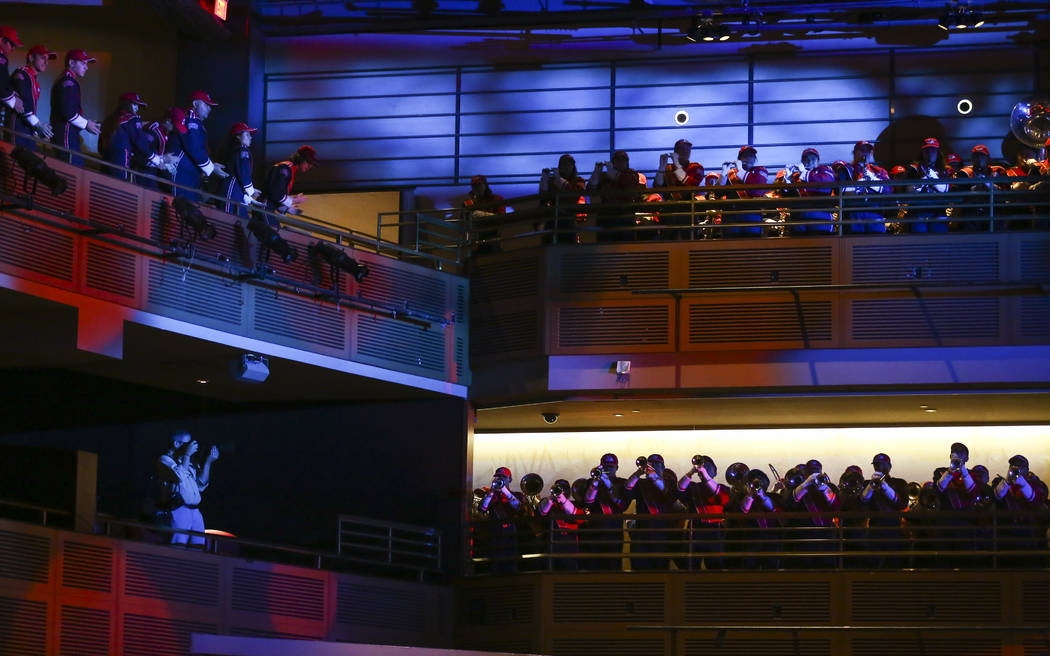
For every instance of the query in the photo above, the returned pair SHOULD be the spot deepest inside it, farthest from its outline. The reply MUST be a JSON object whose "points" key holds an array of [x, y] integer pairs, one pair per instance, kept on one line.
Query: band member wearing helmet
{"points": [[745, 171], [606, 495], [563, 526], [926, 176], [653, 487], [884, 494], [503, 508], [482, 210], [864, 170], [1019, 494], [617, 184], [752, 498], [704, 496], [814, 494], [560, 189]]}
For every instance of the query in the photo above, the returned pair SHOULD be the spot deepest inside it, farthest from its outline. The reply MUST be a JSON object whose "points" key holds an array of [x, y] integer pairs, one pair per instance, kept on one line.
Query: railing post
{"points": [[991, 208], [390, 545], [557, 218], [842, 213]]}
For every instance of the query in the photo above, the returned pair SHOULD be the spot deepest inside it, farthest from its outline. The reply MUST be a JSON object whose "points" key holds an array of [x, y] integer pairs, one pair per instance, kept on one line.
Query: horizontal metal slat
{"points": [[194, 292], [87, 566], [35, 248], [613, 326], [760, 266], [956, 262], [25, 557], [590, 272], [278, 594], [157, 636], [84, 631], [173, 579], [111, 270], [300, 319], [909, 318], [611, 602], [388, 607], [755, 322], [23, 627]]}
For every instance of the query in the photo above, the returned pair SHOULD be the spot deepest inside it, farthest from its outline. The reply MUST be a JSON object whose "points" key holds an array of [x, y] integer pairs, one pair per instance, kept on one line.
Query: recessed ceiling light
{"points": [[617, 414], [202, 381], [923, 407], [635, 411], [930, 410]]}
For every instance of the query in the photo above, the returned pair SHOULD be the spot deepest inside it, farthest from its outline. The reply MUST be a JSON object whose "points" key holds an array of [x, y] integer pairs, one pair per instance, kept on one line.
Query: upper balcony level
{"points": [[143, 282]]}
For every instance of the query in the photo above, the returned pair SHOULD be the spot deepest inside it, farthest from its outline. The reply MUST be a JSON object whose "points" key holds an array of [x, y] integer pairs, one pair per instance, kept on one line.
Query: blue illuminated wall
{"points": [[378, 123]]}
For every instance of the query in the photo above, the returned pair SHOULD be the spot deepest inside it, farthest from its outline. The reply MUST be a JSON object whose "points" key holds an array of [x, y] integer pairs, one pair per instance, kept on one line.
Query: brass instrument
{"points": [[531, 484], [1030, 122]]}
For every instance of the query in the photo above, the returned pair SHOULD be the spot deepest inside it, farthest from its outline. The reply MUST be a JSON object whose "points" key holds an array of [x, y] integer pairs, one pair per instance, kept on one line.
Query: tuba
{"points": [[531, 484], [1030, 122]]}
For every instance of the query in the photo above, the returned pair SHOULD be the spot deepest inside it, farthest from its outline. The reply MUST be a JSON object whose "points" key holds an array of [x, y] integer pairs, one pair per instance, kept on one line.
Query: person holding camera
{"points": [[503, 508], [186, 480], [705, 496], [884, 494], [559, 189], [653, 488], [606, 494], [617, 184], [1020, 494], [676, 170], [564, 537]]}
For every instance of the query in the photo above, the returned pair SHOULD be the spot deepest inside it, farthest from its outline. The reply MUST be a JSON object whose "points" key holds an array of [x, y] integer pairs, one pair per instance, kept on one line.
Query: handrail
{"points": [[312, 225], [422, 546]]}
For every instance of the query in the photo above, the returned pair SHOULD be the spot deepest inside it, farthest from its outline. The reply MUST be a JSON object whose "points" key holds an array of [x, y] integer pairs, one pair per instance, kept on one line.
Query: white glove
{"points": [[220, 170]]}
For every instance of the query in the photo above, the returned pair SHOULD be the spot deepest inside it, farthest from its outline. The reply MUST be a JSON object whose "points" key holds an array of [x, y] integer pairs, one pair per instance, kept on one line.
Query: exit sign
{"points": [[220, 8]]}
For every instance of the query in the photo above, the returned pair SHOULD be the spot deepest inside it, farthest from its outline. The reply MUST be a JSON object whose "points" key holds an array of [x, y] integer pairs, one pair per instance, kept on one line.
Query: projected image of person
{"points": [[745, 171], [187, 480], [558, 187]]}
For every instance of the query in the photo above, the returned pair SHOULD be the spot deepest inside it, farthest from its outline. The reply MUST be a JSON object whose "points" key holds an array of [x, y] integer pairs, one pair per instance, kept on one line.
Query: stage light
{"points": [[338, 260], [964, 106], [946, 19], [190, 217], [36, 169], [269, 240], [681, 117]]}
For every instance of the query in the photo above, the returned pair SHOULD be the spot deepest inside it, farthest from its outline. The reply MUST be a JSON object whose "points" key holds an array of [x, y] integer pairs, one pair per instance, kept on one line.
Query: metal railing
{"points": [[685, 542], [425, 561], [397, 545]]}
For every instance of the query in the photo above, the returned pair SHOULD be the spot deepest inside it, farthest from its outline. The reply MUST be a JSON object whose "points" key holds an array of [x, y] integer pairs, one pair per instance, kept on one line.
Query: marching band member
{"points": [[884, 494], [123, 140], [564, 538], [863, 169], [753, 497], [979, 167], [676, 170], [26, 85], [1019, 494], [816, 494], [745, 171], [617, 184], [504, 508], [653, 488], [239, 188], [606, 494], [811, 170], [563, 179], [483, 205], [9, 99], [65, 107], [704, 496], [925, 176]]}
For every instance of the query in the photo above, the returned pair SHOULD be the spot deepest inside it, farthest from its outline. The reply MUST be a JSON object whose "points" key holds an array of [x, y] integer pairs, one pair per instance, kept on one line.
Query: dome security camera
{"points": [[550, 417]]}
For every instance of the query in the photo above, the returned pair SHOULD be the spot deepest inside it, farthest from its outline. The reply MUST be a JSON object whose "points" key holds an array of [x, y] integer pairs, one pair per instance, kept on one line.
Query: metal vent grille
{"points": [[760, 322], [380, 606], [84, 632], [760, 266], [613, 326], [390, 340], [111, 270], [502, 645], [959, 261], [1035, 260], [35, 248], [744, 602], [1036, 602], [113, 207], [155, 636], [300, 319], [172, 579], [604, 646], [585, 273], [496, 335], [612, 602], [262, 633], [935, 318], [961, 602], [165, 227], [461, 303], [277, 594], [25, 557], [460, 355], [734, 646], [23, 627], [1036, 647], [87, 566], [1034, 319], [929, 646], [504, 279], [201, 294], [404, 289], [511, 604]]}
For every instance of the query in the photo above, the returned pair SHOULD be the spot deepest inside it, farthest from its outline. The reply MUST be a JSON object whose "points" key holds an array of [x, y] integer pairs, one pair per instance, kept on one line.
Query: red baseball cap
{"points": [[178, 119], [1047, 144], [79, 55], [682, 142], [897, 170], [242, 127], [133, 97], [9, 33], [863, 144], [931, 143], [811, 151], [308, 153], [744, 149], [952, 158], [982, 149], [203, 97], [41, 50]]}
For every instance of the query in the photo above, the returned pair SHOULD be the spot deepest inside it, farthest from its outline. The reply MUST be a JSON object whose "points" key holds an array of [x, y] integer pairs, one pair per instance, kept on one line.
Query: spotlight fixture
{"points": [[338, 260], [36, 169], [959, 18], [269, 240], [190, 217], [703, 28]]}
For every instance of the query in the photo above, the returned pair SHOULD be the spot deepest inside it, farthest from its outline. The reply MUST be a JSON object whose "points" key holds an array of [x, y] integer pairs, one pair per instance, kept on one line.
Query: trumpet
{"points": [[597, 473], [497, 484], [643, 464]]}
